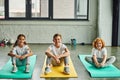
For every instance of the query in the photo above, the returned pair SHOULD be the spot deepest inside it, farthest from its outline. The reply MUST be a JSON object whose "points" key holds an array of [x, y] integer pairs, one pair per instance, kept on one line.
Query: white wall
{"points": [[105, 21], [43, 31]]}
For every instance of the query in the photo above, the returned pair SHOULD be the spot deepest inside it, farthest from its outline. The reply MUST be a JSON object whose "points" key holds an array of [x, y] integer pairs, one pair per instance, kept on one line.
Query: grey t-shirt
{"points": [[21, 51], [99, 53], [57, 51]]}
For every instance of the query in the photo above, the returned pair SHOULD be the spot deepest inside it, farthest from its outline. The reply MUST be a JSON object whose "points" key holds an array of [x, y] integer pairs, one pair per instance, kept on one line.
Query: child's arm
{"points": [[66, 53], [28, 54], [104, 57], [13, 55], [95, 60], [50, 54], [104, 60]]}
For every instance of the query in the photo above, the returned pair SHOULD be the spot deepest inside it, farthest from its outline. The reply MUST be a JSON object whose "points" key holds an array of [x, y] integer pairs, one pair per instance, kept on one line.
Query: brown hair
{"points": [[95, 42], [18, 38], [57, 34]]}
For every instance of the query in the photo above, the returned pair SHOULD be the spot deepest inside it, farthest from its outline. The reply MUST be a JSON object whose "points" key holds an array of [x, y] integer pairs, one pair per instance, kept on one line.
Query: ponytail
{"points": [[15, 43]]}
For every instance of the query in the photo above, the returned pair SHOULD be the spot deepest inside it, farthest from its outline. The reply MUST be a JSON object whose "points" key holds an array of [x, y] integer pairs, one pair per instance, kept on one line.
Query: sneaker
{"points": [[14, 70], [66, 70], [27, 69], [47, 70]]}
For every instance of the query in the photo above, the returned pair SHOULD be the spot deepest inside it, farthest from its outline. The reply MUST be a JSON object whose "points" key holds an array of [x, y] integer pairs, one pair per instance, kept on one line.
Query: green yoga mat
{"points": [[5, 72], [107, 72]]}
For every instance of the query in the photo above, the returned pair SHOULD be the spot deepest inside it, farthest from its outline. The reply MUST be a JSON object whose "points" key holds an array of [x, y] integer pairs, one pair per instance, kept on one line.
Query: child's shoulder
{"points": [[15, 46], [94, 48], [52, 45], [104, 48], [26, 46], [63, 45]]}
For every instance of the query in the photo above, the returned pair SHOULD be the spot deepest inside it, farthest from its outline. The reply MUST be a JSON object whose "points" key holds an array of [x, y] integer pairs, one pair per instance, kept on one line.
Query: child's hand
{"points": [[101, 64], [23, 57], [59, 56], [57, 59], [97, 65], [10, 54], [17, 56]]}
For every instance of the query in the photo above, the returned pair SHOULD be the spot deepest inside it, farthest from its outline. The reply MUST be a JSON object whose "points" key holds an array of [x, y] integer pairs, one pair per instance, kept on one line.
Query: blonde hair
{"points": [[95, 42]]}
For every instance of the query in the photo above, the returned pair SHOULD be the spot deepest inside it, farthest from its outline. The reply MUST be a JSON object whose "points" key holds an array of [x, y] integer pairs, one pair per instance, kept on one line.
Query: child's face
{"points": [[99, 45], [21, 40], [57, 40]]}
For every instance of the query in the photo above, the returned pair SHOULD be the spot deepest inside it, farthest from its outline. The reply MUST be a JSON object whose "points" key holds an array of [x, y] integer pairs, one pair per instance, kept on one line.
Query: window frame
{"points": [[50, 13]]}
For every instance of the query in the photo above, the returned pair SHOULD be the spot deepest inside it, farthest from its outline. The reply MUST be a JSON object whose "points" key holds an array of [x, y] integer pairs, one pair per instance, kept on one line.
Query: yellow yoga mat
{"points": [[57, 71]]}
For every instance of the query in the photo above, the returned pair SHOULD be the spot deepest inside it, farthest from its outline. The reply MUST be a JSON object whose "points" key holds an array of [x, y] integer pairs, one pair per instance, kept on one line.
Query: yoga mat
{"points": [[106, 72], [57, 71], [5, 72]]}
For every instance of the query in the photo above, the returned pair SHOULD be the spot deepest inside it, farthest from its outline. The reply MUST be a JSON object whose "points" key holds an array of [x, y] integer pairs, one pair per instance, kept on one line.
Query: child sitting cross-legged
{"points": [[99, 55], [57, 53]]}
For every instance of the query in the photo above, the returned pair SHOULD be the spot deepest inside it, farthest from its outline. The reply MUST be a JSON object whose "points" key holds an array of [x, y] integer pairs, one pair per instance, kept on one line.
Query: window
{"points": [[2, 11], [81, 9], [70, 9], [44, 9], [17, 10], [40, 8]]}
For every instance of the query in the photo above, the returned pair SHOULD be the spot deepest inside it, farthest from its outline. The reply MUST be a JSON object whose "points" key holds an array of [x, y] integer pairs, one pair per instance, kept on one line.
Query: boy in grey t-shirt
{"points": [[56, 54]]}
